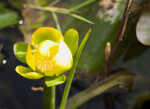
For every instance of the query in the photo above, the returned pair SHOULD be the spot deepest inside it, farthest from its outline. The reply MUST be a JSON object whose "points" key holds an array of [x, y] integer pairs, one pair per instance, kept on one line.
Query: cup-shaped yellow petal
{"points": [[46, 33], [50, 55], [30, 59], [71, 39], [28, 72], [61, 62]]}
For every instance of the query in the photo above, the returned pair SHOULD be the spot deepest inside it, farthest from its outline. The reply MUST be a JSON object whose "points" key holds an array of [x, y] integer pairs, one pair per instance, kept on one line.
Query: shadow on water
{"points": [[15, 91]]}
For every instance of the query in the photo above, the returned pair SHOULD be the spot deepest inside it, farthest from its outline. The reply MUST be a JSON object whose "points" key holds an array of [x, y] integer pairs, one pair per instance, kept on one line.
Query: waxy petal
{"points": [[20, 50], [55, 80], [71, 39], [30, 59], [46, 33], [61, 62], [48, 48], [28, 72]]}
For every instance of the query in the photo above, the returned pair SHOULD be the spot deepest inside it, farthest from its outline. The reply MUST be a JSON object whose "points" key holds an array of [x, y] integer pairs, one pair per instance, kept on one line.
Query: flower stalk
{"points": [[50, 55], [72, 71], [49, 92], [48, 97]]}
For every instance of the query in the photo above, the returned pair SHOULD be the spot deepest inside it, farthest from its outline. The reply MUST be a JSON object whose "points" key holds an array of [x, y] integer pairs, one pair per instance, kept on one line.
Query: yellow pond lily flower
{"points": [[50, 54]]}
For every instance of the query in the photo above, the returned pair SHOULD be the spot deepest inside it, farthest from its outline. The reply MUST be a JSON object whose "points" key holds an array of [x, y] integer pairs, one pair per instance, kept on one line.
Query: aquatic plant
{"points": [[49, 56]]}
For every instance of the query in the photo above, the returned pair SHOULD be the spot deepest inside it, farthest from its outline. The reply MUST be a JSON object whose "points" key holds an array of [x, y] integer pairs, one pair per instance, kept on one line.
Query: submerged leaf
{"points": [[105, 30], [123, 78]]}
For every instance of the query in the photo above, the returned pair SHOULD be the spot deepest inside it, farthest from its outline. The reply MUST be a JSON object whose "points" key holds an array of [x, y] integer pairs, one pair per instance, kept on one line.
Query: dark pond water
{"points": [[16, 93]]}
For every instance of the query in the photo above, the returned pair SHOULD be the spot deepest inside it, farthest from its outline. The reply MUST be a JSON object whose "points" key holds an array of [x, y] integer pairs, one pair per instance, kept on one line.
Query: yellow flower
{"points": [[50, 58], [50, 54]]}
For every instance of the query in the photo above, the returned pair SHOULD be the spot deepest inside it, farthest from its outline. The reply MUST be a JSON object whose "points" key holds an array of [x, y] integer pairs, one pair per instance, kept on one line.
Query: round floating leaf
{"points": [[143, 26], [20, 50], [54, 80], [71, 39], [28, 72], [29, 58], [46, 33]]}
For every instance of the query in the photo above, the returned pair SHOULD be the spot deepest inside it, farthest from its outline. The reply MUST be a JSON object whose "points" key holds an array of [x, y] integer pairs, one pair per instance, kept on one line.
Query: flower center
{"points": [[44, 53]]}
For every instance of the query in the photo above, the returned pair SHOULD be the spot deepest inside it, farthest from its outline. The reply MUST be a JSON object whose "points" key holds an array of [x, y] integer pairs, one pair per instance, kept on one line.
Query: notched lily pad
{"points": [[143, 26]]}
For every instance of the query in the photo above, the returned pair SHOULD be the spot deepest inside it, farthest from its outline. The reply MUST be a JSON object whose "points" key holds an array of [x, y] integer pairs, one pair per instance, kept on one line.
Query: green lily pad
{"points": [[28, 72], [46, 33], [54, 80], [20, 50], [71, 39]]}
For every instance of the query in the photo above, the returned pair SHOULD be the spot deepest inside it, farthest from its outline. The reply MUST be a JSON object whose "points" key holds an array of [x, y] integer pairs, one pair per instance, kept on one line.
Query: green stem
{"points": [[77, 17], [56, 21], [72, 71], [48, 97], [123, 78], [61, 11], [80, 6]]}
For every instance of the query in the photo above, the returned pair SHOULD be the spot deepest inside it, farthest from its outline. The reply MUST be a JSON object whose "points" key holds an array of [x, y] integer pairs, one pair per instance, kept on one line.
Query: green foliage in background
{"points": [[7, 17], [104, 30]]}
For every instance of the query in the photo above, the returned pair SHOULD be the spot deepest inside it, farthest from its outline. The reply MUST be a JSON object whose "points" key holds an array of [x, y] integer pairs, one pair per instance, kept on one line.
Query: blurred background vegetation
{"points": [[127, 87]]}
